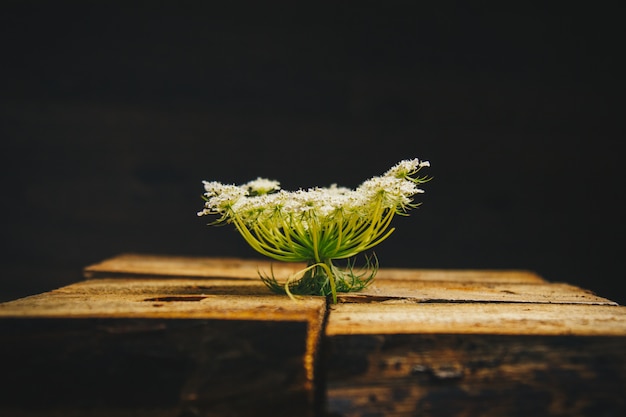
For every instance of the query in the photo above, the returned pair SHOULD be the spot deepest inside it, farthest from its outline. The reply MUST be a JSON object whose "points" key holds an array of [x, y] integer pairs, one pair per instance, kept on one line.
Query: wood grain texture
{"points": [[109, 347], [151, 335], [417, 290], [184, 298], [460, 275], [142, 367], [131, 264], [475, 375], [477, 318], [408, 347]]}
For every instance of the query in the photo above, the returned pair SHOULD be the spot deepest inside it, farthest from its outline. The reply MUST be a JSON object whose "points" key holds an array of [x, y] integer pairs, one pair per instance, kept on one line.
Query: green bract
{"points": [[317, 225]]}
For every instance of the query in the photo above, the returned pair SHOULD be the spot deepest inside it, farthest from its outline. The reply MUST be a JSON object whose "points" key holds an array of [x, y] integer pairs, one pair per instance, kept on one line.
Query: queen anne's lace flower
{"points": [[316, 225]]}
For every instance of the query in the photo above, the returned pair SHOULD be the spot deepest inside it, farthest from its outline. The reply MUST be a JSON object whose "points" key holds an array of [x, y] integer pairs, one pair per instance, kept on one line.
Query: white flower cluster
{"points": [[263, 200]]}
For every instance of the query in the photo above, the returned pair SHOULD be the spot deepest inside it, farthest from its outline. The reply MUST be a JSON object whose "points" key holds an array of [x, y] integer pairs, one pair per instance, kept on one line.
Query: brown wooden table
{"points": [[148, 335]]}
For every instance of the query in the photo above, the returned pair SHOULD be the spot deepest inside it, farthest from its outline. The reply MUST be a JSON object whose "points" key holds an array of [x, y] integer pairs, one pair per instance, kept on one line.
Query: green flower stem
{"points": [[328, 266], [294, 276], [323, 279]]}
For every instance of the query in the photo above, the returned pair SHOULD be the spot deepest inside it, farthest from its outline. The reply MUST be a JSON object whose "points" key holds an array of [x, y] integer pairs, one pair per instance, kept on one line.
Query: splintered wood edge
{"points": [[476, 318], [127, 264]]}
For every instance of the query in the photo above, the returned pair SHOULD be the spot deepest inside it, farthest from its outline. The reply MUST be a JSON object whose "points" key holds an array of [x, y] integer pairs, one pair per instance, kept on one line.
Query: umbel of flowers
{"points": [[318, 225]]}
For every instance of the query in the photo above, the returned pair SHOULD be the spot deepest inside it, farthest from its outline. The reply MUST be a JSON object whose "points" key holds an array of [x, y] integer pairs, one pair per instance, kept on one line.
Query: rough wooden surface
{"points": [[493, 345], [153, 366], [143, 347], [185, 298], [475, 375], [477, 318], [189, 336], [411, 291], [460, 275], [130, 264]]}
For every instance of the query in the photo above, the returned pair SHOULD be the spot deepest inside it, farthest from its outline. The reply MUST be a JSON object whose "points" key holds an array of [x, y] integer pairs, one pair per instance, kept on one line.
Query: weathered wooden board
{"points": [[390, 284], [130, 264], [401, 357], [149, 335], [460, 275], [394, 290], [475, 375], [477, 318], [144, 347]]}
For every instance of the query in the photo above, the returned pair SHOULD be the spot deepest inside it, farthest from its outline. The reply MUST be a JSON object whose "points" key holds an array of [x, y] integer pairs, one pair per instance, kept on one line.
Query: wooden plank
{"points": [[477, 318], [411, 291], [130, 264], [147, 347], [145, 297], [475, 375], [456, 275], [543, 352], [207, 338], [399, 284]]}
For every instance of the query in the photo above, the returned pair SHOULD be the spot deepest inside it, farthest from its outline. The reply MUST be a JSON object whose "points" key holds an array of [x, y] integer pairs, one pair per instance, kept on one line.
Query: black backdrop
{"points": [[113, 112]]}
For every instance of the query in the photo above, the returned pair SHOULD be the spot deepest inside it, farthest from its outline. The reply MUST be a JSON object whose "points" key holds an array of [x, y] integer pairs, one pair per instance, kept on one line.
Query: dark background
{"points": [[112, 113]]}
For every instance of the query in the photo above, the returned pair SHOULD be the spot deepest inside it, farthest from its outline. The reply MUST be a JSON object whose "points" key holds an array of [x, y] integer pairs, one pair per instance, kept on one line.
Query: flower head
{"points": [[318, 224], [314, 223]]}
